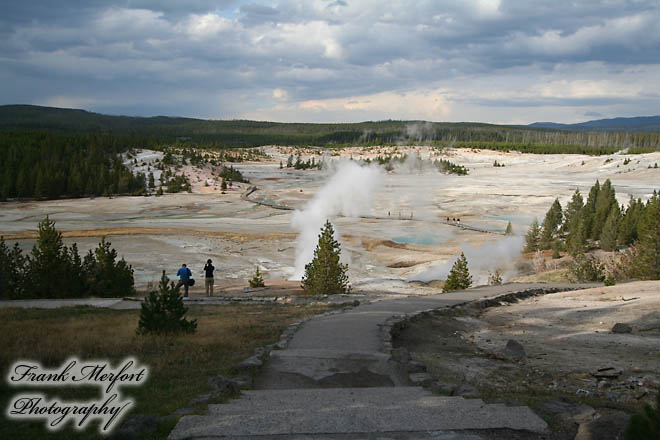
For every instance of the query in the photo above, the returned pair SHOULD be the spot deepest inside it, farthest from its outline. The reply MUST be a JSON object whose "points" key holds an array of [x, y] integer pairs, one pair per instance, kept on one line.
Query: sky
{"points": [[495, 61]]}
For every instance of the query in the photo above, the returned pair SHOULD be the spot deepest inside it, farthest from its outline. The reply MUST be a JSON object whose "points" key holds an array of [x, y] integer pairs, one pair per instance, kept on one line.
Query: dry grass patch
{"points": [[179, 366]]}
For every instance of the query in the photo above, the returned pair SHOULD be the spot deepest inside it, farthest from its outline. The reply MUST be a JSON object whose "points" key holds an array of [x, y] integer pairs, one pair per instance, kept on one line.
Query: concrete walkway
{"points": [[337, 377]]}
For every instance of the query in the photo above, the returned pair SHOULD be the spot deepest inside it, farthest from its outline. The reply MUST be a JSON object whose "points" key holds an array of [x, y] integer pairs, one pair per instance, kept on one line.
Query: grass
{"points": [[179, 366]]}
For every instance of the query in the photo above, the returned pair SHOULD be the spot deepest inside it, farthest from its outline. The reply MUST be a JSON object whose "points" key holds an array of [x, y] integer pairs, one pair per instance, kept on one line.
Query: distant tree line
{"points": [[242, 133], [54, 270], [46, 165], [299, 164], [600, 223]]}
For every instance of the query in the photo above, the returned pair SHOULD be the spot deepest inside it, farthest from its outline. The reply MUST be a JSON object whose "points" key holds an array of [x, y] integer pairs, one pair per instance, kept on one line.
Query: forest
{"points": [[53, 153], [601, 223]]}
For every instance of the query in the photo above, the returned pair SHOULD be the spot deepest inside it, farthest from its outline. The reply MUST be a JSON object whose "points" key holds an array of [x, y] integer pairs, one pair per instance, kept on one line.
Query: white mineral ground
{"points": [[383, 252]]}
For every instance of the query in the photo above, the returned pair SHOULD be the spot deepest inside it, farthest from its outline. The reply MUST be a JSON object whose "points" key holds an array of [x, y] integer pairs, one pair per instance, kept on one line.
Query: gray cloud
{"points": [[199, 58]]}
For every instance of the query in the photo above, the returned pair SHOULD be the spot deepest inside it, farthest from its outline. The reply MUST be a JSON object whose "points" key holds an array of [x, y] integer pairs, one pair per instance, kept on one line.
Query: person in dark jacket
{"points": [[184, 275], [208, 277]]}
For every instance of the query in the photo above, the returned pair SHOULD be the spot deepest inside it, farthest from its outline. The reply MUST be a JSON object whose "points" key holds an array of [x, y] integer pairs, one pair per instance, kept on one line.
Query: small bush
{"points": [[494, 278], [645, 425], [587, 268], [163, 311]]}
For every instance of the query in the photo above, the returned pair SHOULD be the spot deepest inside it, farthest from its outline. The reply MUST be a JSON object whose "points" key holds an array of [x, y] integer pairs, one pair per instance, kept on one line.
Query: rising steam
{"points": [[498, 255], [348, 193]]}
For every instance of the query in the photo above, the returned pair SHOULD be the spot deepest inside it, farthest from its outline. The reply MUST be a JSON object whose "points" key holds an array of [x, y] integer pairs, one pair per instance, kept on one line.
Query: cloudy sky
{"points": [[497, 61]]}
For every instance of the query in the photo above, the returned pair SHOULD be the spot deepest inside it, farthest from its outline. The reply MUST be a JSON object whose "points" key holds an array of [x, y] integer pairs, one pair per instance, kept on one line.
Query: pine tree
{"points": [[551, 223], [606, 198], [533, 237], [572, 211], [163, 312], [509, 229], [107, 277], [611, 229], [12, 268], [325, 275], [576, 239], [48, 267], [257, 280], [459, 276], [649, 240], [589, 210], [628, 228]]}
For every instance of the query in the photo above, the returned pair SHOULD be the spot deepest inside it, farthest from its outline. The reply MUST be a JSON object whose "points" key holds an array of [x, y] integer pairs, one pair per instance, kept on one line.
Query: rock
{"points": [[443, 388], [416, 367], [243, 381], [568, 411], [514, 350], [136, 426], [621, 328], [467, 390], [420, 379], [607, 372], [221, 384], [608, 427], [250, 362]]}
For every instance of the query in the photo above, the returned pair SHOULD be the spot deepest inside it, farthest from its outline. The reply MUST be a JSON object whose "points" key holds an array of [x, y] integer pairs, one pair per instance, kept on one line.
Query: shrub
{"points": [[587, 268], [494, 278], [645, 425], [163, 312]]}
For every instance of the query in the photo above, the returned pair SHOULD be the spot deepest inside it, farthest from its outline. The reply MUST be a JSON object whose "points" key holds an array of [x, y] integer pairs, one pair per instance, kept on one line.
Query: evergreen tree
{"points": [[576, 240], [648, 261], [107, 277], [152, 181], [606, 198], [48, 268], [257, 280], [12, 267], [509, 229], [611, 229], [163, 312], [325, 275], [533, 237], [628, 228], [556, 247], [459, 276], [572, 211], [551, 223], [589, 209]]}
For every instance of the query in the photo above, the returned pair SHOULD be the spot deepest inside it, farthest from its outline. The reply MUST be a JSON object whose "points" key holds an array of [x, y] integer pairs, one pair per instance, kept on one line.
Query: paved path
{"points": [[316, 386]]}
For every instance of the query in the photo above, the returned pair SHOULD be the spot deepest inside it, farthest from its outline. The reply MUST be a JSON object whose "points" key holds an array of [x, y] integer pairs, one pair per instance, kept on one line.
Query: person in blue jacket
{"points": [[184, 275]]}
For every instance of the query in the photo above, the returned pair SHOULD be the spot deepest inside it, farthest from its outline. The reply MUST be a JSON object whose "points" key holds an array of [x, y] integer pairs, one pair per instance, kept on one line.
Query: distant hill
{"points": [[640, 124], [576, 138]]}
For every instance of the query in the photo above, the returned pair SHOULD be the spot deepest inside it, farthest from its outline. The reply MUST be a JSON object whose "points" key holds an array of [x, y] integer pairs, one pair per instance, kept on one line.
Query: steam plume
{"points": [[348, 193], [500, 254]]}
